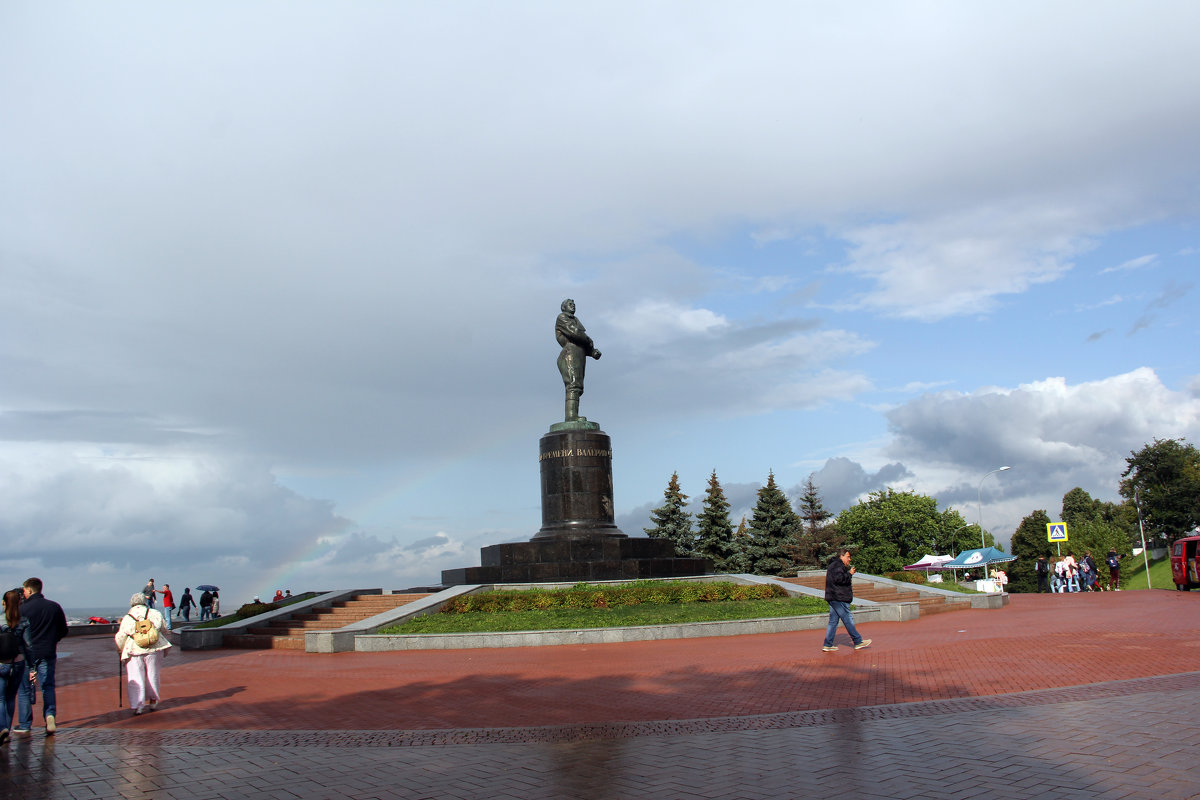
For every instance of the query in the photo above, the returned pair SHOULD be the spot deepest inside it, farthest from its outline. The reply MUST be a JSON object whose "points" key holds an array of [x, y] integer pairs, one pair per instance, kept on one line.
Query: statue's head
{"points": [[568, 306]]}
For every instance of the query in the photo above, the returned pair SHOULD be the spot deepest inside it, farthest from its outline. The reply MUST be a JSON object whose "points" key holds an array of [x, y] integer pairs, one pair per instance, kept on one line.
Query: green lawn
{"points": [[1133, 573], [622, 616]]}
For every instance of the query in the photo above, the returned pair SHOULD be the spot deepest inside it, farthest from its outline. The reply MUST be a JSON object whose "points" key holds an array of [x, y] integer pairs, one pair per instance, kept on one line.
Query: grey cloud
{"points": [[842, 482], [1166, 298]]}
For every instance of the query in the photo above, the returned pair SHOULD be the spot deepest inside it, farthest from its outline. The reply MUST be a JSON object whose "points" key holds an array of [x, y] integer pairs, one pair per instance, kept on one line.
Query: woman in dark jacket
{"points": [[186, 604], [14, 675]]}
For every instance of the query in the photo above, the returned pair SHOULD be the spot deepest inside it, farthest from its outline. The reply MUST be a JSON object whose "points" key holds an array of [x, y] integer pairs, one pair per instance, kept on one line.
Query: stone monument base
{"points": [[577, 559]]}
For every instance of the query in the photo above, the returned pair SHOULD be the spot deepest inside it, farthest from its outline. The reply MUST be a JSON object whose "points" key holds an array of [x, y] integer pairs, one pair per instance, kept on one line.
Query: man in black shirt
{"points": [[47, 627]]}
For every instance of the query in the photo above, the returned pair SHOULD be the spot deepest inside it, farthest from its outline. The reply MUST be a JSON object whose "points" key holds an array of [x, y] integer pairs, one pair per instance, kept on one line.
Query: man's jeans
{"points": [[167, 615], [45, 682], [205, 613], [840, 611]]}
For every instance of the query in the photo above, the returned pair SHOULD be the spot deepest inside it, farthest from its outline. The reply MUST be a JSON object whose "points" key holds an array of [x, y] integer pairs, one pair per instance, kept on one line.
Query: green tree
{"points": [[1029, 542], [739, 562], [956, 535], [819, 540], [1166, 476], [714, 539], [1096, 525], [672, 522], [890, 529], [773, 527]]}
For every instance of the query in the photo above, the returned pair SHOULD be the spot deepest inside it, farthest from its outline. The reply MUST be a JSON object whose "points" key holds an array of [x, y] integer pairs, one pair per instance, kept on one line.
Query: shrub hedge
{"points": [[906, 576], [583, 595]]}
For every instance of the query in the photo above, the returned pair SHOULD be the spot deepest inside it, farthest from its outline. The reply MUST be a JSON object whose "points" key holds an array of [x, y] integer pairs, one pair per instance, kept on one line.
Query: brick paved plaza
{"points": [[1056, 696]]}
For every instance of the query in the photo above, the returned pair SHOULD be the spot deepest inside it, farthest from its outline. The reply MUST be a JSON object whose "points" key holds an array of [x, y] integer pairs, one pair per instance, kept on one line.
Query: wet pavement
{"points": [[1055, 696]]}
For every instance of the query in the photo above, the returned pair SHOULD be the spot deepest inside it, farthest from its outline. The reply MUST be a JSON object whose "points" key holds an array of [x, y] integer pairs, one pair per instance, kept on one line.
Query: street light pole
{"points": [[982, 543], [1137, 499]]}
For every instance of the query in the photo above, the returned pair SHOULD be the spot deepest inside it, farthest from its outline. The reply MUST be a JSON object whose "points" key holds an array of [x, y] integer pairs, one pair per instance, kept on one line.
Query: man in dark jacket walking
{"points": [[839, 593], [47, 626]]}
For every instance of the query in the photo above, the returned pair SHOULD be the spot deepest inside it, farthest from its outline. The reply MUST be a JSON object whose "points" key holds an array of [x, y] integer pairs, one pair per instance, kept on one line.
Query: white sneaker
{"points": [[830, 649], [863, 644], [51, 726]]}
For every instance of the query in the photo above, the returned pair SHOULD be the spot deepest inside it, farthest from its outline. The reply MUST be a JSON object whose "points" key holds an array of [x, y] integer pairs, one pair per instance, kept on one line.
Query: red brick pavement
{"points": [[1038, 642]]}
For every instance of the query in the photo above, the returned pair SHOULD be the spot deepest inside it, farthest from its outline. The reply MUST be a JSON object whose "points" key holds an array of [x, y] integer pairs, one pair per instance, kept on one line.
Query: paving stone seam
{"points": [[192, 738]]}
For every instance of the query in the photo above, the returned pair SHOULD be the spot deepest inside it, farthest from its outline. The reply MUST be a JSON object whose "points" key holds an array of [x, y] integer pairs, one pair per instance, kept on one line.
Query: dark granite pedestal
{"points": [[579, 559], [579, 540]]}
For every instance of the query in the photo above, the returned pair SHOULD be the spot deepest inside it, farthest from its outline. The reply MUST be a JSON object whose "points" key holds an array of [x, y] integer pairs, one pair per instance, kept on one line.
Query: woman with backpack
{"points": [[14, 675], [143, 645]]}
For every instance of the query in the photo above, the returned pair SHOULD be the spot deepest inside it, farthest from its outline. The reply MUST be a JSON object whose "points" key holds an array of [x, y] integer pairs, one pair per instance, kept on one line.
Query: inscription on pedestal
{"points": [[577, 486]]}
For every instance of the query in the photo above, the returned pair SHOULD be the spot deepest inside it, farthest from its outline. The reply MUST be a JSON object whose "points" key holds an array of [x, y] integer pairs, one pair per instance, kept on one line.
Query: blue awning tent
{"points": [[980, 557]]}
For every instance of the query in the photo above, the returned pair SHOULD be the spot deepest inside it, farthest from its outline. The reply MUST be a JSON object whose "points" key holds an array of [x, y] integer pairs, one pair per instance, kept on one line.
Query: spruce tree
{"points": [[819, 541], [714, 539], [672, 522], [739, 560], [773, 527]]}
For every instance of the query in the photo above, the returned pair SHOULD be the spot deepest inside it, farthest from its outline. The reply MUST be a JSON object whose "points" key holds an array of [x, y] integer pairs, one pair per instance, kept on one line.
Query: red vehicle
{"points": [[1185, 563]]}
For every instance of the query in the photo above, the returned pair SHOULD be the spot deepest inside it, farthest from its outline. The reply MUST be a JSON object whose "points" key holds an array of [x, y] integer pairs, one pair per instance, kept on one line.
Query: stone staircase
{"points": [[288, 634], [880, 593]]}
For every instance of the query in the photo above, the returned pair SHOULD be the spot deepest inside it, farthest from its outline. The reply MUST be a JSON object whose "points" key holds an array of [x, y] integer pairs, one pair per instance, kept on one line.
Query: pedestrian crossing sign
{"points": [[1056, 532]]}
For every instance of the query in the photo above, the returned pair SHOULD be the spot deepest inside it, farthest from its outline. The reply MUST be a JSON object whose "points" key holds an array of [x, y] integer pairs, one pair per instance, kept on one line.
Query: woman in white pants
{"points": [[141, 661]]}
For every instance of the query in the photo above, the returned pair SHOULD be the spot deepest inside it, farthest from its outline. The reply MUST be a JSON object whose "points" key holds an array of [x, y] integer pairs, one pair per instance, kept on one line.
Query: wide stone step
{"points": [[255, 642], [288, 634], [885, 594]]}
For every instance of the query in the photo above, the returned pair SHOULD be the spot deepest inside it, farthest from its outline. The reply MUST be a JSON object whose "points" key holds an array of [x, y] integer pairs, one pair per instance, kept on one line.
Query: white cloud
{"points": [[1055, 435], [654, 323], [1131, 264], [962, 262], [1116, 299]]}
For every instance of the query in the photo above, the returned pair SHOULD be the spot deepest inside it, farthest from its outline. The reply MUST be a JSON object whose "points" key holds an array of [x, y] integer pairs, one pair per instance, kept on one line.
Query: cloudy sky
{"points": [[278, 279]]}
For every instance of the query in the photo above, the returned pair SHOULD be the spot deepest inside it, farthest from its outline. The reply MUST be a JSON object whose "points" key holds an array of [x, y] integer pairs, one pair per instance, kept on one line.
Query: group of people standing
{"points": [[29, 635], [210, 603], [1066, 574]]}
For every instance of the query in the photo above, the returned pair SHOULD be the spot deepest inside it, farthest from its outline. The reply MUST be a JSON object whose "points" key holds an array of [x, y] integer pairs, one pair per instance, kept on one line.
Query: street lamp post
{"points": [[982, 543]]}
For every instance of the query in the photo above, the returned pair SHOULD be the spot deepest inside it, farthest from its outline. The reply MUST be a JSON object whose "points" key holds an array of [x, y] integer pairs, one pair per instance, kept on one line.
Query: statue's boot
{"points": [[572, 408]]}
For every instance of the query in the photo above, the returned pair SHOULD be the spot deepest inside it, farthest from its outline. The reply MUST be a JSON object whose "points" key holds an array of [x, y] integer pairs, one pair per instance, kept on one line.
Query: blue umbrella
{"points": [[208, 587]]}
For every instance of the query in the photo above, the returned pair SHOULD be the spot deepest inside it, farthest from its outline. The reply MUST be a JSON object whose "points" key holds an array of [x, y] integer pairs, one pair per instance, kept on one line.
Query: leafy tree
{"points": [[890, 529], [773, 526], [1166, 475], [714, 539], [1077, 505], [672, 522], [819, 540], [1029, 542], [956, 535]]}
